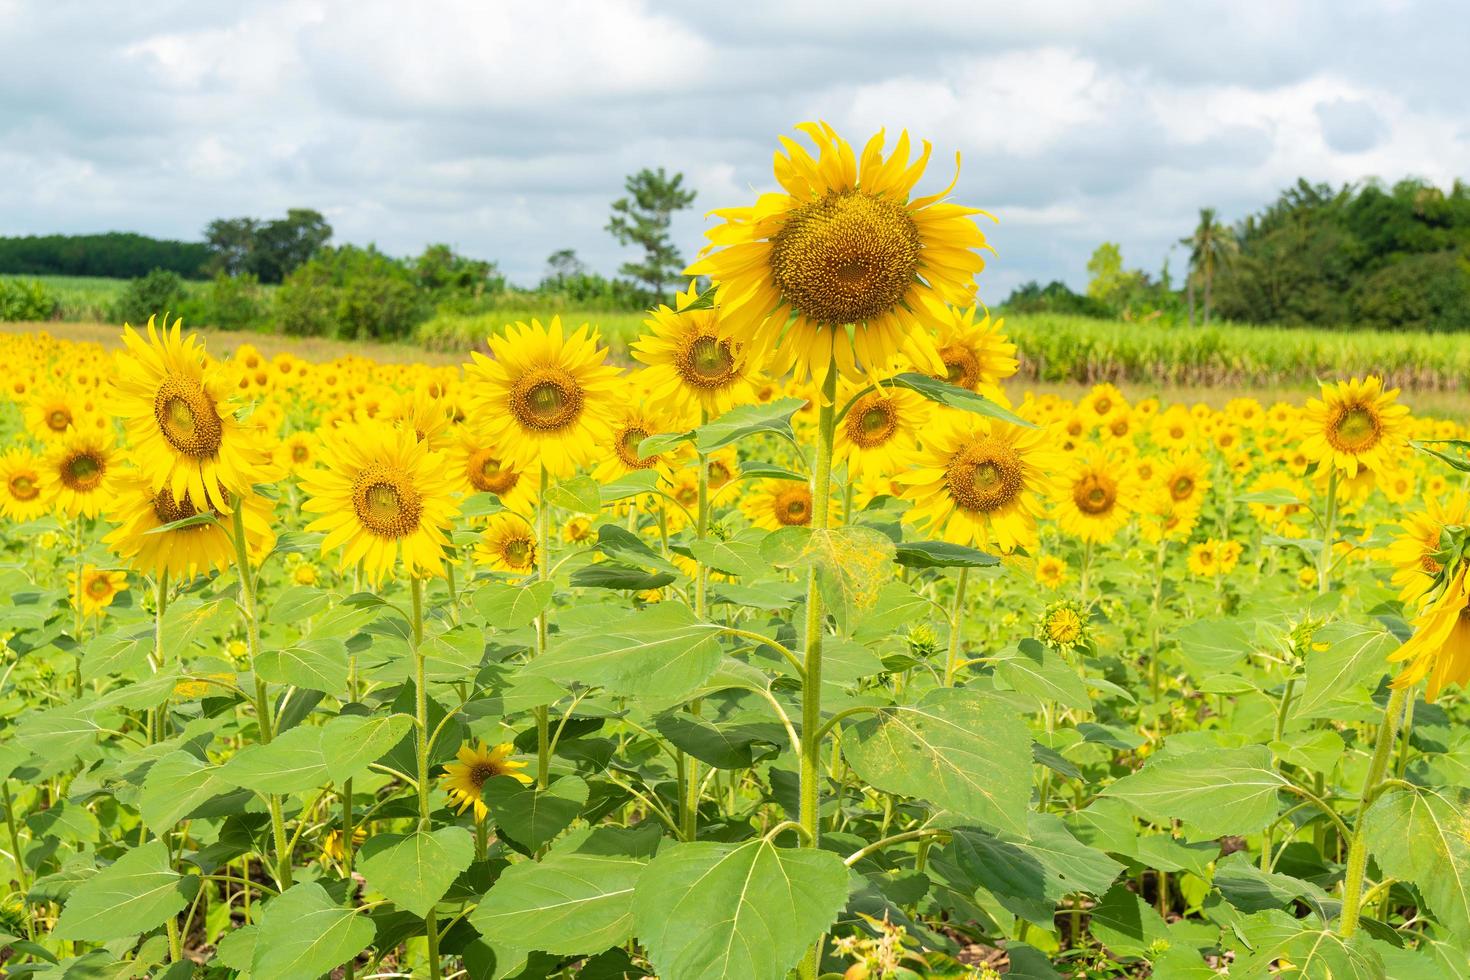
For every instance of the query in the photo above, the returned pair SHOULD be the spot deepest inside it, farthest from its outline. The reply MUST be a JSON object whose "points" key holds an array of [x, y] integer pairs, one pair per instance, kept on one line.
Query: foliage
{"points": [[24, 300], [642, 219], [121, 255], [1054, 297], [158, 292], [267, 250], [351, 293]]}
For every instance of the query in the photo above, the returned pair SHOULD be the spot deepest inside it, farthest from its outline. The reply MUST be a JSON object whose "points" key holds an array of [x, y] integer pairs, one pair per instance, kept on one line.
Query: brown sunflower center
{"points": [[83, 471], [708, 362], [1355, 429], [482, 772], [386, 501], [299, 453], [187, 417], [984, 476], [24, 486], [793, 505], [489, 475], [58, 418], [872, 421], [546, 399], [1182, 487], [168, 510], [627, 450], [518, 551], [719, 474], [961, 366], [1095, 494], [847, 258], [99, 587]]}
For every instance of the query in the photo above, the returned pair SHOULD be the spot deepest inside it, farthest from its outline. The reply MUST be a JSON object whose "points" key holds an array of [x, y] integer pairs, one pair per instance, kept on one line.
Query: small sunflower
{"points": [[1051, 571], [1096, 499], [843, 263], [631, 424], [1355, 423], [774, 504], [1065, 625], [881, 430], [545, 399], [976, 356], [1174, 428], [465, 780], [1204, 559], [20, 485], [694, 360], [1185, 478], [77, 471], [428, 413], [140, 507], [1102, 404], [94, 589], [297, 452], [178, 410], [508, 544], [1440, 646], [981, 482], [50, 411], [380, 493], [1413, 552], [477, 466]]}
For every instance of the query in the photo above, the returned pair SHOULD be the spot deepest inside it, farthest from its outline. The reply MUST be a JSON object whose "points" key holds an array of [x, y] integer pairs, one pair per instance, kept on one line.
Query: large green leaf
{"points": [[415, 870], [961, 749], [853, 564], [136, 893], [1314, 952], [941, 554], [317, 665], [291, 763], [531, 816], [956, 397], [175, 786], [351, 743], [1215, 791], [1419, 836], [304, 934], [575, 901], [1215, 645], [661, 652], [1125, 924], [1036, 669], [1354, 656], [707, 911], [510, 607], [723, 746], [747, 420]]}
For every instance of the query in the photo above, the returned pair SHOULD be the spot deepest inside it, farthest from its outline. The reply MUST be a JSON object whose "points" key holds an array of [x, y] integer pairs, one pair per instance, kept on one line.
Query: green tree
{"points": [[562, 266], [1210, 248], [231, 243], [643, 218], [286, 243]]}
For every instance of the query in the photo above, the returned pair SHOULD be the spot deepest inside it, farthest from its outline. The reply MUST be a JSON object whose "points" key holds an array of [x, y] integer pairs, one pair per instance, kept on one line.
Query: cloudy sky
{"points": [[507, 128]]}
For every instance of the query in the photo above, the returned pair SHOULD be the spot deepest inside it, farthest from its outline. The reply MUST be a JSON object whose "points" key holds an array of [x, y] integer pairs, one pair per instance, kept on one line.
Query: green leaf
{"points": [[304, 934], [607, 575], [351, 743], [480, 505], [1215, 645], [960, 749], [747, 420], [1036, 669], [580, 494], [1250, 889], [574, 902], [852, 564], [135, 894], [1274, 497], [630, 484], [722, 746], [509, 607], [175, 786], [1419, 836], [1354, 656], [956, 397], [941, 554], [1125, 925], [662, 442], [415, 870], [531, 816], [1456, 451], [291, 763], [317, 665], [620, 544], [1312, 952], [1216, 791], [708, 911], [739, 558], [660, 652]]}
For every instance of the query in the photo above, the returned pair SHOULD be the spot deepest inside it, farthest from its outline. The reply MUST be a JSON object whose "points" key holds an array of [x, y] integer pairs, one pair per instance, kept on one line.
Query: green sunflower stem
{"points": [[1357, 859], [811, 688], [543, 572], [956, 628], [262, 698], [421, 716], [1329, 519], [689, 816]]}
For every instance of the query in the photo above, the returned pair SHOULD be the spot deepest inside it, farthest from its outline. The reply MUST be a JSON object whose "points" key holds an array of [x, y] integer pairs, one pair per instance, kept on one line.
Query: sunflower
{"points": [[1185, 478], [179, 413], [1065, 625], [140, 507], [94, 589], [20, 485], [633, 423], [1051, 571], [1279, 518], [477, 466], [50, 411], [723, 466], [694, 360], [1095, 500], [508, 544], [381, 492], [1164, 520], [976, 356], [1355, 423], [76, 473], [428, 414], [1174, 428], [1412, 552], [980, 481], [1440, 646], [465, 780], [546, 400], [1204, 559], [844, 263], [774, 504], [880, 430], [1100, 405], [297, 452]]}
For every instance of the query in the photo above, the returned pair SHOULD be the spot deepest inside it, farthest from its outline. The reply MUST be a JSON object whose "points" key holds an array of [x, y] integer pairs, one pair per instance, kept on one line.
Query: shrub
{"points": [[351, 293], [230, 303], [26, 300], [159, 292]]}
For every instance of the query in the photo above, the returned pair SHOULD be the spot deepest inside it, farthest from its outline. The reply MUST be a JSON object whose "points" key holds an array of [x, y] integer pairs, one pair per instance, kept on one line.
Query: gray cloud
{"points": [[506, 129]]}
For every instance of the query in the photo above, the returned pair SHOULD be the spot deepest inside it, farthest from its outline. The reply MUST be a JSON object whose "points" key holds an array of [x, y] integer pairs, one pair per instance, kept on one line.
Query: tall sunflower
{"points": [[1412, 552], [544, 398], [20, 485], [1095, 500], [181, 419], [477, 466], [139, 507], [976, 356], [508, 544], [1440, 646], [76, 472], [982, 482], [1355, 423], [93, 590], [880, 430], [381, 493], [844, 262], [694, 359]]}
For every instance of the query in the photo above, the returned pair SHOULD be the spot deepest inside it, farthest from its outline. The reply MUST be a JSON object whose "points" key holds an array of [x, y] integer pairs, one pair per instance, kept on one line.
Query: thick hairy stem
{"points": [[811, 688], [1329, 519], [543, 571], [421, 715], [956, 628], [689, 814], [1357, 861]]}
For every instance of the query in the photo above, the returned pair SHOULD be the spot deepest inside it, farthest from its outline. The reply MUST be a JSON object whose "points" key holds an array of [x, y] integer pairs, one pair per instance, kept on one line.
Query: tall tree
{"points": [[231, 242], [285, 243], [643, 218], [1210, 248]]}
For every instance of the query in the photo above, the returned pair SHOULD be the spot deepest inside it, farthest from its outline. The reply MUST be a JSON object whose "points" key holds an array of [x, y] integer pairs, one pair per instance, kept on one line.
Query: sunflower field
{"points": [[795, 647]]}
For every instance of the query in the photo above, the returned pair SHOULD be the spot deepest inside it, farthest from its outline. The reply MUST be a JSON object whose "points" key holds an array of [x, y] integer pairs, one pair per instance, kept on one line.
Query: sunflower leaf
{"points": [[415, 870], [744, 421], [956, 397]]}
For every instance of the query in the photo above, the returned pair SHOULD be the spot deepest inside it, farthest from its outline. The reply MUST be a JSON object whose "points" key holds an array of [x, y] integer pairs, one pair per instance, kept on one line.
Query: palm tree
{"points": [[1210, 247]]}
